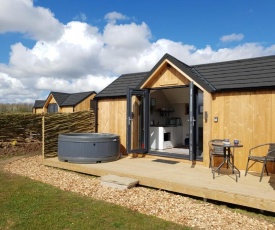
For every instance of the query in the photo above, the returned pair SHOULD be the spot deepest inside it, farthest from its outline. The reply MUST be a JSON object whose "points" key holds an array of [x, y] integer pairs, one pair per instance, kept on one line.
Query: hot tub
{"points": [[88, 147]]}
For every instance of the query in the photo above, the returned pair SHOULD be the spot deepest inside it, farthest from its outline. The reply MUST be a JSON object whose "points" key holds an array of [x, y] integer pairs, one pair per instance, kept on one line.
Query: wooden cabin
{"points": [[58, 102], [174, 110], [38, 106]]}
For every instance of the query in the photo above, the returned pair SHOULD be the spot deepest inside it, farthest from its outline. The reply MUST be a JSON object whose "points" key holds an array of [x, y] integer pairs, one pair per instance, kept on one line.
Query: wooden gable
{"points": [[50, 100], [166, 75]]}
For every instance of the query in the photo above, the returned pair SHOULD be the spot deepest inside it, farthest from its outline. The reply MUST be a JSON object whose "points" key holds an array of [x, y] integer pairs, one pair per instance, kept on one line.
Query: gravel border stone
{"points": [[171, 207]]}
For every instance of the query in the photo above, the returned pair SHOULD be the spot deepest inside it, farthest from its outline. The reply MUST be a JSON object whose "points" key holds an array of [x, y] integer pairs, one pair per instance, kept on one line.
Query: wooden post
{"points": [[43, 136]]}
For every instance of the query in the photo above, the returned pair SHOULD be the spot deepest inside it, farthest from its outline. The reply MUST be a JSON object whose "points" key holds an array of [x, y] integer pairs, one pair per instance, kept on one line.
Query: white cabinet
{"points": [[157, 137], [154, 137], [165, 137]]}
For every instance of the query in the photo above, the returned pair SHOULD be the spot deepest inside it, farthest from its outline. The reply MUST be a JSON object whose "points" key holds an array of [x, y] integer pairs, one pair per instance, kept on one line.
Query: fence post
{"points": [[43, 136]]}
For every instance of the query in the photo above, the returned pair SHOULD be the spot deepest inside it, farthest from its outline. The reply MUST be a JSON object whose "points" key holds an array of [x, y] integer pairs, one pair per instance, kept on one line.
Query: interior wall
{"points": [[161, 103], [180, 111]]}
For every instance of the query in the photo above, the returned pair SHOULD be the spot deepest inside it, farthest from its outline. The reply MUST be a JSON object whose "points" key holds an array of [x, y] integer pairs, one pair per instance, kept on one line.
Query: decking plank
{"points": [[185, 178]]}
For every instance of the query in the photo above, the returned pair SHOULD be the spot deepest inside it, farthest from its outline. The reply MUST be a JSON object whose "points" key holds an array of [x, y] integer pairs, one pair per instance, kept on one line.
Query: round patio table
{"points": [[226, 158]]}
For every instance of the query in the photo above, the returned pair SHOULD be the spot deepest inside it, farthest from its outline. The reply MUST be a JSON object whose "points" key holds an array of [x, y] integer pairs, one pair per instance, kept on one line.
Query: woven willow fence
{"points": [[55, 124], [24, 128], [19, 127]]}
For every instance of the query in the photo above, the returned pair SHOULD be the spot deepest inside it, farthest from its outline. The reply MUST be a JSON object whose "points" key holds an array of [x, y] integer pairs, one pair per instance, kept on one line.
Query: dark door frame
{"points": [[143, 125], [193, 116]]}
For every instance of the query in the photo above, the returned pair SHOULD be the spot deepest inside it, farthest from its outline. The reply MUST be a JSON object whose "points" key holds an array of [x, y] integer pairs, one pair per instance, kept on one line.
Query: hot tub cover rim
{"points": [[88, 137]]}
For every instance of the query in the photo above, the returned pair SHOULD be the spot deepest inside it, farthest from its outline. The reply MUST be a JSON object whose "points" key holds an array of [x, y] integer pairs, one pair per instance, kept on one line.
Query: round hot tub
{"points": [[88, 147]]}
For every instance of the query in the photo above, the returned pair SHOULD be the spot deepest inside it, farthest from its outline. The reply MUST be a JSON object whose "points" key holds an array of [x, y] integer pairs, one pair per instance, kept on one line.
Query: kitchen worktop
{"points": [[162, 125]]}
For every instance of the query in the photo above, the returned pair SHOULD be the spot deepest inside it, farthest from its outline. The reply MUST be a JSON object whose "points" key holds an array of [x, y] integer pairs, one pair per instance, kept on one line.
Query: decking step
{"points": [[118, 182]]}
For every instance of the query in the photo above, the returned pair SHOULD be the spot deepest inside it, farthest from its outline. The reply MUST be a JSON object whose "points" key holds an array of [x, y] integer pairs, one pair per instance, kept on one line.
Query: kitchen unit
{"points": [[164, 137]]}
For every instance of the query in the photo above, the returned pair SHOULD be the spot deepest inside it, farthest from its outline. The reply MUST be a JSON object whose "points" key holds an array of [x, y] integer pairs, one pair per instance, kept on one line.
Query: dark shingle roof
{"points": [[76, 98], [39, 103], [119, 86], [60, 97], [252, 73], [240, 74], [68, 99]]}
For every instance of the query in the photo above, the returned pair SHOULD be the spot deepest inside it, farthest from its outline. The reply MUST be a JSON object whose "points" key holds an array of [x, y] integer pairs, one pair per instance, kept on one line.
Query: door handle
{"points": [[129, 120], [193, 120]]}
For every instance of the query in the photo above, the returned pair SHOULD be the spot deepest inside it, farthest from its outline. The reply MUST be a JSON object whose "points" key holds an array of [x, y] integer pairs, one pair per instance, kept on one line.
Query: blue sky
{"points": [[74, 46]]}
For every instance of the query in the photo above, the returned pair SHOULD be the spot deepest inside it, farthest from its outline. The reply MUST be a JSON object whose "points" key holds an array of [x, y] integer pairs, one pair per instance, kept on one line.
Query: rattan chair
{"points": [[264, 158], [214, 151]]}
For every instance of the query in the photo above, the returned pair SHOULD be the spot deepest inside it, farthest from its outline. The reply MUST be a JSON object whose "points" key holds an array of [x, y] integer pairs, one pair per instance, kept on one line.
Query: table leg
{"points": [[224, 161], [232, 166], [227, 155]]}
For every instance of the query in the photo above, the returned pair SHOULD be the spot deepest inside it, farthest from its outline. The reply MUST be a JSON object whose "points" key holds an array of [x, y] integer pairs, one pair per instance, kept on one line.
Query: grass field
{"points": [[28, 204]]}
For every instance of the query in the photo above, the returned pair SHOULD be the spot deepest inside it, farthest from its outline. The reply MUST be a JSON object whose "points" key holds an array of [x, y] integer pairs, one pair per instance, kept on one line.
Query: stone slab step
{"points": [[118, 182]]}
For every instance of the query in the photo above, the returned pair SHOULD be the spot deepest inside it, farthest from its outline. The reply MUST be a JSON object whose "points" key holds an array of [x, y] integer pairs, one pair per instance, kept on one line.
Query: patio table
{"points": [[226, 158]]}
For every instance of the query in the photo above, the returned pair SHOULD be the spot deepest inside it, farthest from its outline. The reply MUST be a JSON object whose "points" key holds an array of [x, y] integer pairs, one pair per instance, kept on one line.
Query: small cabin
{"points": [[38, 106], [58, 102], [174, 110]]}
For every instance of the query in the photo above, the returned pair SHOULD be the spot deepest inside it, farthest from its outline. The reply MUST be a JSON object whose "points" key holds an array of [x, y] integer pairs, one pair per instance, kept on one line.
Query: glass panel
{"points": [[192, 129], [137, 120], [52, 108], [200, 123], [137, 124], [195, 122]]}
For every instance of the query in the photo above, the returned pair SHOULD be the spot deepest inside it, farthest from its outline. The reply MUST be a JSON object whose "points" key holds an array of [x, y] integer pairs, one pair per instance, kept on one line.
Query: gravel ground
{"points": [[165, 205]]}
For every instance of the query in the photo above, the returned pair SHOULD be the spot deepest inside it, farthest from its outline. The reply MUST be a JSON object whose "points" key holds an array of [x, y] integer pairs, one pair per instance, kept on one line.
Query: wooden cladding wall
{"points": [[247, 116], [68, 109], [37, 110], [85, 104], [112, 118], [54, 124]]}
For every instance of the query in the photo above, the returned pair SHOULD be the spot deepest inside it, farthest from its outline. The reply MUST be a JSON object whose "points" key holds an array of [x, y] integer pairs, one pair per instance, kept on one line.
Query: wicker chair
{"points": [[214, 151], [269, 156]]}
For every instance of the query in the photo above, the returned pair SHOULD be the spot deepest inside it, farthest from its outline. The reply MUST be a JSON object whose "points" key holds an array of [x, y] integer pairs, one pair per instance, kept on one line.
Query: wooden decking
{"points": [[185, 178]]}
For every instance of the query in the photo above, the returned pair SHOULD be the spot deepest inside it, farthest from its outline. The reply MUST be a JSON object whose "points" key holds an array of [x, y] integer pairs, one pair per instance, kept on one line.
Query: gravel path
{"points": [[165, 205]]}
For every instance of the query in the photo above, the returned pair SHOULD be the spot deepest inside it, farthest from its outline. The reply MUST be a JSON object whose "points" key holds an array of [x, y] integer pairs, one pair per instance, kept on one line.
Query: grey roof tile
{"points": [[252, 73], [76, 98], [240, 74], [118, 87], [39, 103]]}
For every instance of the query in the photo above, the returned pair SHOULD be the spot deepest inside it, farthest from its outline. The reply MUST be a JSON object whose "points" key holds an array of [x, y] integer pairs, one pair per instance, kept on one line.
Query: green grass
{"points": [[29, 204]]}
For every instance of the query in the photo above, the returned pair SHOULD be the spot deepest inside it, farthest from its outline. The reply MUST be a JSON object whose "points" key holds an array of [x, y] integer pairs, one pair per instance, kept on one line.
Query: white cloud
{"points": [[232, 37], [12, 90], [87, 83], [82, 17], [36, 22], [82, 58], [72, 56], [112, 17]]}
